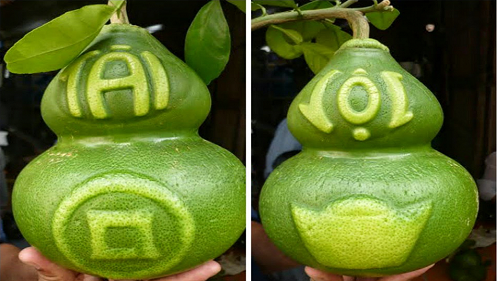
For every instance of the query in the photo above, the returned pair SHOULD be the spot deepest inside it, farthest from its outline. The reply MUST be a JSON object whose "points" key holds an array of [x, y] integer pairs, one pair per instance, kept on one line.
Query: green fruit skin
{"points": [[159, 155], [395, 165], [316, 178], [189, 167]]}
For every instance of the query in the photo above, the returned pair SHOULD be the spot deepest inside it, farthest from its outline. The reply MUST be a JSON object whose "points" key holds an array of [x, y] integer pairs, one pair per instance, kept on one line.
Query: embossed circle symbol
{"points": [[103, 225], [371, 109]]}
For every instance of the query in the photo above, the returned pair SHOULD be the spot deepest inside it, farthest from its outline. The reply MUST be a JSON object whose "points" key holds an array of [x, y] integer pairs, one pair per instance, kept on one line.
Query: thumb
{"points": [[407, 276], [47, 270], [318, 275]]}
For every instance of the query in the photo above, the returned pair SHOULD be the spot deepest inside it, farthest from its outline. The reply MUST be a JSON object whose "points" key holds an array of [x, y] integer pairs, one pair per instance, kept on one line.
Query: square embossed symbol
{"points": [[111, 231]]}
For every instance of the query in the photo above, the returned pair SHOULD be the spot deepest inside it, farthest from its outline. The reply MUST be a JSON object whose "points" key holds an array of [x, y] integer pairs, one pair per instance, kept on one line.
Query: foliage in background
{"points": [[318, 40], [57, 43]]}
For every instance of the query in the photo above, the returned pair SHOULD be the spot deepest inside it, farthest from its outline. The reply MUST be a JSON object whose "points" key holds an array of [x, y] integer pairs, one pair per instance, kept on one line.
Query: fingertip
{"points": [[408, 275], [312, 272], [29, 256], [318, 275], [213, 267], [424, 269], [87, 277], [26, 253], [427, 268]]}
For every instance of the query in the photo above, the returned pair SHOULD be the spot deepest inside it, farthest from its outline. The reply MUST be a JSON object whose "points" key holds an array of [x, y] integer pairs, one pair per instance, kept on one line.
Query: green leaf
{"points": [[277, 3], [240, 4], [55, 44], [208, 42], [332, 37], [309, 29], [290, 33], [382, 20], [277, 41], [286, 47], [316, 55], [316, 5]]}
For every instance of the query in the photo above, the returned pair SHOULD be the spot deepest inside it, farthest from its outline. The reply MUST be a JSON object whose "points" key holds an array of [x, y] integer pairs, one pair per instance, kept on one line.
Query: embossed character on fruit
{"points": [[127, 191], [379, 198]]}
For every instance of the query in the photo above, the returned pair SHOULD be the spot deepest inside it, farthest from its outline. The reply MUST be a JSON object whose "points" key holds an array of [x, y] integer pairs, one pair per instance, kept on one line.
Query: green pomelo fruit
{"points": [[130, 191], [367, 196]]}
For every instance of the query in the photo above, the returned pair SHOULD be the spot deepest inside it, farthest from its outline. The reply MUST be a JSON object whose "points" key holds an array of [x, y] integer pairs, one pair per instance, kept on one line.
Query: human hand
{"points": [[49, 271], [318, 275]]}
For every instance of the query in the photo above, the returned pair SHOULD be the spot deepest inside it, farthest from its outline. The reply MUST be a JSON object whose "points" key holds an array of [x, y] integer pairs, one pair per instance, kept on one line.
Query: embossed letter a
{"points": [[136, 81]]}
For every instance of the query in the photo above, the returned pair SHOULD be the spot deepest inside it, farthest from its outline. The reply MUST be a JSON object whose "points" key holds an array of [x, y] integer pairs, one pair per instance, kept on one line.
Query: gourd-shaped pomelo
{"points": [[367, 196], [130, 191]]}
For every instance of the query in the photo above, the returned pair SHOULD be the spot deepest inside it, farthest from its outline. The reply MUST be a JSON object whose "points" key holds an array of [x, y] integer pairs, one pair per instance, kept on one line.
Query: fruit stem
{"points": [[355, 16], [120, 16], [359, 25]]}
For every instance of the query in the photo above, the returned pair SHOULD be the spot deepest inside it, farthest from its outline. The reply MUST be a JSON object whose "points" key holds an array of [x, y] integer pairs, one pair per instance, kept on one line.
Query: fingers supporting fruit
{"points": [[47, 270]]}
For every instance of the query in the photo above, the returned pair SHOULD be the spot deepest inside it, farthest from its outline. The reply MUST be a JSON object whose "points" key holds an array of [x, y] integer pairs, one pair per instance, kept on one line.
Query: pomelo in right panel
{"points": [[368, 195]]}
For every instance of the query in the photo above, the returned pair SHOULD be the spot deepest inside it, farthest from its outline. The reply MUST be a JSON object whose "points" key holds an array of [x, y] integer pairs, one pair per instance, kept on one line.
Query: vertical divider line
{"points": [[248, 137]]}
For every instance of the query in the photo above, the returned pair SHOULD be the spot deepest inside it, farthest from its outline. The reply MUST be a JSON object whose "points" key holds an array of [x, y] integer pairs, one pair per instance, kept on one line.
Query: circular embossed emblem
{"points": [[119, 217]]}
